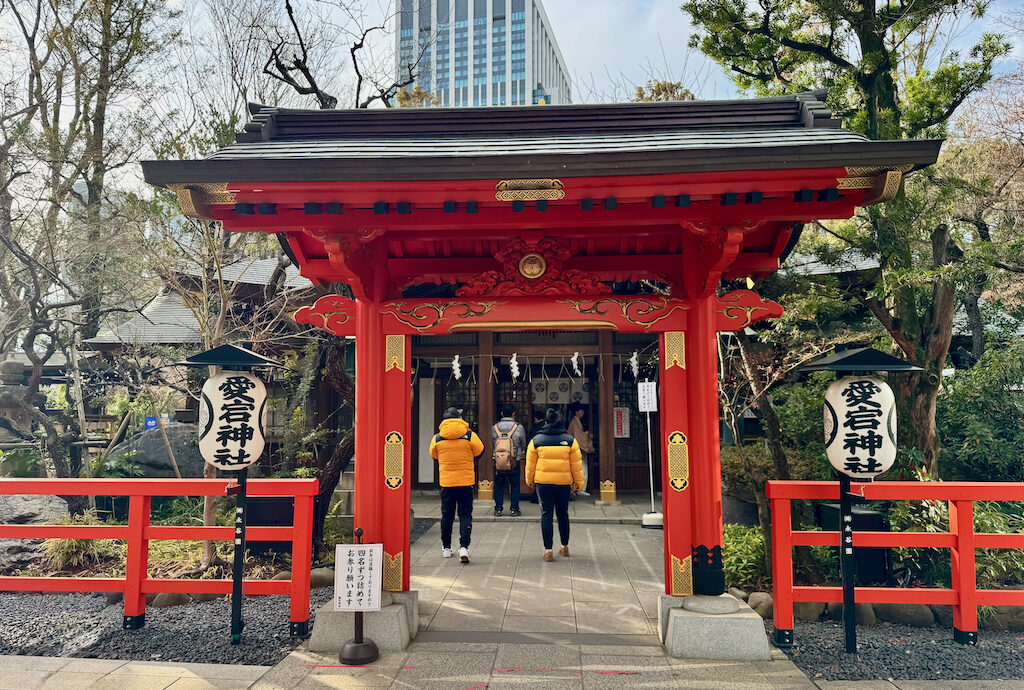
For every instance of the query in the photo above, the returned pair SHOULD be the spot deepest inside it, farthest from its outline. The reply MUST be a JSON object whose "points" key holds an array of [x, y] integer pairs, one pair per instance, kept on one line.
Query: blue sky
{"points": [[611, 45]]}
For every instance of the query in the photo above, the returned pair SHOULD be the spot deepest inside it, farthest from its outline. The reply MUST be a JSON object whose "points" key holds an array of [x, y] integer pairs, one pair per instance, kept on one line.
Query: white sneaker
{"points": [[446, 553], [464, 554], [582, 493]]}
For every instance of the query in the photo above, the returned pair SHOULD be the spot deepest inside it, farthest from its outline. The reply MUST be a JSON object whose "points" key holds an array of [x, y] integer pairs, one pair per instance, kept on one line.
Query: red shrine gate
{"points": [[678, 195]]}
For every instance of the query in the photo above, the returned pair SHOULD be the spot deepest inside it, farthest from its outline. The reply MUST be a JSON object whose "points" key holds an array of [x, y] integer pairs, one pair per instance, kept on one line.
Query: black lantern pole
{"points": [[233, 358]]}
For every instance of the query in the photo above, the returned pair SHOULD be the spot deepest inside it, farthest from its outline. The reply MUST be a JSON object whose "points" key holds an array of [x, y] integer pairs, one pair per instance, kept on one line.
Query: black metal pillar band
{"points": [[708, 570], [239, 564]]}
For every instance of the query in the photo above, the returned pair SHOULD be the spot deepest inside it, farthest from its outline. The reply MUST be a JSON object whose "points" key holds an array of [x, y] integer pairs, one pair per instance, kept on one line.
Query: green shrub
{"points": [[744, 559], [62, 554]]}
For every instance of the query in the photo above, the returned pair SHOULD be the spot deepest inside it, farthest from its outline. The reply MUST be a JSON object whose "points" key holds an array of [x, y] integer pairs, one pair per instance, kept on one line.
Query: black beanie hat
{"points": [[452, 413]]}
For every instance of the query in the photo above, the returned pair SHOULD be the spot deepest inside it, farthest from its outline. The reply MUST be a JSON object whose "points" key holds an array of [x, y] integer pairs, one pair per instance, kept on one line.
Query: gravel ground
{"points": [[902, 652], [82, 625]]}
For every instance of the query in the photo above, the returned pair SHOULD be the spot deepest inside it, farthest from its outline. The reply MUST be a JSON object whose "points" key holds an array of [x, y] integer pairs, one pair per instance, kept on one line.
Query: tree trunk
{"points": [[973, 310], [916, 397]]}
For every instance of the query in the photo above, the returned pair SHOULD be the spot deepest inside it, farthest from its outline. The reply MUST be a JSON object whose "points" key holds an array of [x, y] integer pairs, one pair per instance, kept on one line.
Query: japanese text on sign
{"points": [[860, 426], [621, 422], [357, 577], [647, 396], [232, 419]]}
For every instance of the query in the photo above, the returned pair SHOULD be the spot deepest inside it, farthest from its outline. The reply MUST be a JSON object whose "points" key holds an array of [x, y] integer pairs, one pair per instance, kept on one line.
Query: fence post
{"points": [[782, 571], [137, 562], [964, 576], [302, 561]]}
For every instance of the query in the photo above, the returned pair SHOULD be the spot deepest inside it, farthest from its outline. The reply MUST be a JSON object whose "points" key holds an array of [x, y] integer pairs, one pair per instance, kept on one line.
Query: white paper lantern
{"points": [[860, 426], [232, 420]]}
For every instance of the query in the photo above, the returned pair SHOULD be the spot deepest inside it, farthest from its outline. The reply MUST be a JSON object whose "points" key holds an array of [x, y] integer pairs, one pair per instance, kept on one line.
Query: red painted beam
{"points": [[576, 188], [64, 531], [61, 584], [154, 487], [878, 595], [491, 220], [939, 540], [1000, 597]]}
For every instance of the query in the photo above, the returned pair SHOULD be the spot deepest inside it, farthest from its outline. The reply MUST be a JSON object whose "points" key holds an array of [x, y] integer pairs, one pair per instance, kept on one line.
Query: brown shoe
{"points": [[564, 551], [548, 556]]}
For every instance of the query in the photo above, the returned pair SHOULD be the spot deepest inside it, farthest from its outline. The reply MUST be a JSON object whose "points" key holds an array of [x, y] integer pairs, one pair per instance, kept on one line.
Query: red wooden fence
{"points": [[138, 532], [961, 540]]}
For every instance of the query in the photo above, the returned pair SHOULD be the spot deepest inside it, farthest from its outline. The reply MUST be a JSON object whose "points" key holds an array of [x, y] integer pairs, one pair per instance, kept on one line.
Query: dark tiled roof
{"points": [[794, 131], [256, 272], [166, 320]]}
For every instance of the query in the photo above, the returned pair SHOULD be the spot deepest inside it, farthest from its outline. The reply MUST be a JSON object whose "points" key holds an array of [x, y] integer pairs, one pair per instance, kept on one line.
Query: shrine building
{"points": [[544, 232]]}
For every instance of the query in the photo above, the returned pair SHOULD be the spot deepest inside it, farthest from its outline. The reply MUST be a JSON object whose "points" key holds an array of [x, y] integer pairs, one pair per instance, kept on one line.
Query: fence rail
{"points": [[139, 532], [961, 540]]}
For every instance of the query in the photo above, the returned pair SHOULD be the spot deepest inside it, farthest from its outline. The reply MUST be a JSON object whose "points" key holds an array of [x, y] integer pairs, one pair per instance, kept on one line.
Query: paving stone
{"points": [[67, 680], [543, 624], [612, 618]]}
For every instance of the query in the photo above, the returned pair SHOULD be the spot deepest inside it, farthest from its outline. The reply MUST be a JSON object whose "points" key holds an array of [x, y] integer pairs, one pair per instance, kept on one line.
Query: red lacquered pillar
{"points": [[675, 464], [705, 460], [368, 420], [395, 443]]}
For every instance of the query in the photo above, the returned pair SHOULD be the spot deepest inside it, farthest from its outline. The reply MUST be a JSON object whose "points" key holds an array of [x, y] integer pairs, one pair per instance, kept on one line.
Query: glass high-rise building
{"points": [[481, 52]]}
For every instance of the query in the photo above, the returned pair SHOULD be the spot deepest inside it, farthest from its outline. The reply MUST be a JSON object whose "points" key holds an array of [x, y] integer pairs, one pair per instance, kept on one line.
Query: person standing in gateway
{"points": [[508, 439], [456, 448], [555, 464]]}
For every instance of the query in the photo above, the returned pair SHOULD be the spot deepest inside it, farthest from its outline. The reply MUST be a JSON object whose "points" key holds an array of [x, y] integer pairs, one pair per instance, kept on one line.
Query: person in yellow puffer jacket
{"points": [[456, 448], [554, 463]]}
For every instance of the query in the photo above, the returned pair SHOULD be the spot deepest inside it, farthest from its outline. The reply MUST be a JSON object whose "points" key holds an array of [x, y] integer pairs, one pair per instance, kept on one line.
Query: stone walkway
{"points": [[609, 585], [62, 673], [581, 510]]}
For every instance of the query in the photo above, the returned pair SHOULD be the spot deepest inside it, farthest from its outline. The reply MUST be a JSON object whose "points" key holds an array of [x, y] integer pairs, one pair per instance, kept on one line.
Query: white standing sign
{"points": [[647, 396], [357, 577], [232, 420], [860, 426]]}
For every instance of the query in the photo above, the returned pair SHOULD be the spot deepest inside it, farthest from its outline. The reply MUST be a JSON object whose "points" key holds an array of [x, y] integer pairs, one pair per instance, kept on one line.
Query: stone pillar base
{"points": [[607, 504], [392, 628], [707, 627]]}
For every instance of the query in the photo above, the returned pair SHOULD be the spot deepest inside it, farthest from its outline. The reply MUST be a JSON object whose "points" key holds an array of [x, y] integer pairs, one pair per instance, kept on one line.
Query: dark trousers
{"points": [[554, 500], [511, 480], [456, 498]]}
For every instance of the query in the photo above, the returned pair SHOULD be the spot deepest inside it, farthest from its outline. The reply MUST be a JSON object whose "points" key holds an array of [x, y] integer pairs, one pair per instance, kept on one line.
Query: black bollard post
{"points": [[848, 562], [239, 564], [358, 651]]}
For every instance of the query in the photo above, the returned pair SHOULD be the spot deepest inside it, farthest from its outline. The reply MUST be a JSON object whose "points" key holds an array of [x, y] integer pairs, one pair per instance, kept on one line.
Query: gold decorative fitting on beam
{"points": [[394, 460], [392, 576], [678, 461], [191, 196], [675, 349], [529, 190], [884, 183], [682, 576], [394, 353]]}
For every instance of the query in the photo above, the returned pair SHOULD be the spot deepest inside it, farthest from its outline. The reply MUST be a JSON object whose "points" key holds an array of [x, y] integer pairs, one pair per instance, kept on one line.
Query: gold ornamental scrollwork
{"points": [[392, 576], [678, 461], [675, 349], [682, 576], [394, 460], [423, 317], [639, 311], [608, 491], [529, 190]]}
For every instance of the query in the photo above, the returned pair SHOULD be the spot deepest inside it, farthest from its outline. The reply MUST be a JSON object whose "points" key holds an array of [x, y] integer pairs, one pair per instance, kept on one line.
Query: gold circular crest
{"points": [[532, 266]]}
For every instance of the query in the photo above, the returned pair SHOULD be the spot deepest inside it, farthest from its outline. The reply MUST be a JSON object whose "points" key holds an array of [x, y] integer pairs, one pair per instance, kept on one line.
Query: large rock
{"points": [[808, 610], [943, 614], [865, 613], [1005, 618], [321, 577], [761, 602], [27, 510], [739, 593], [148, 451], [918, 615], [166, 599]]}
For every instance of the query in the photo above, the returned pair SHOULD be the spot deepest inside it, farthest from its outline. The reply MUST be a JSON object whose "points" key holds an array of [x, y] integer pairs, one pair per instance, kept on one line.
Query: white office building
{"points": [[481, 52]]}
